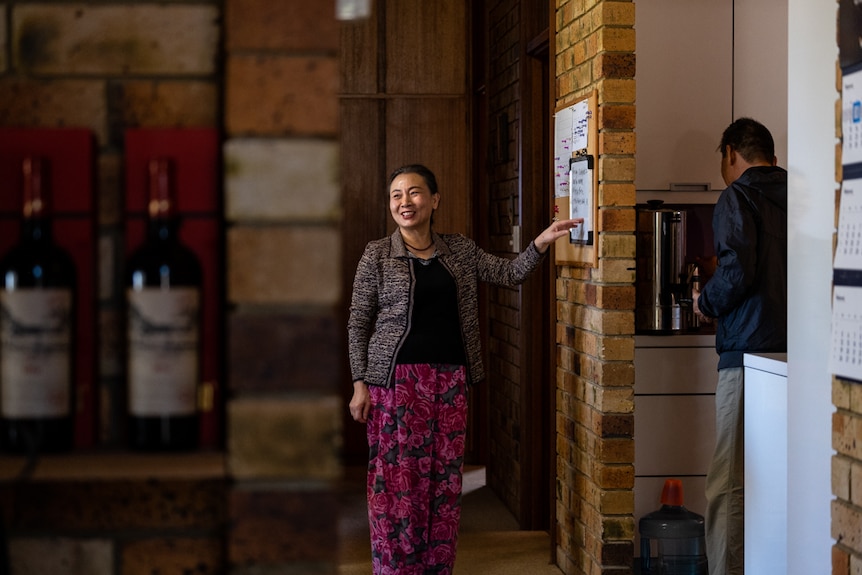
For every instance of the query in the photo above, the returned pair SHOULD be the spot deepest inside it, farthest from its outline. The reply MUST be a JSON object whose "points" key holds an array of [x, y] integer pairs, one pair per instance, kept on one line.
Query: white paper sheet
{"points": [[848, 250], [846, 355]]}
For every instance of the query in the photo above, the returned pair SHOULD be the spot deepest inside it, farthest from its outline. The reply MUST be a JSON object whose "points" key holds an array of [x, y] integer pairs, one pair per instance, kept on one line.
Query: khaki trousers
{"points": [[724, 481]]}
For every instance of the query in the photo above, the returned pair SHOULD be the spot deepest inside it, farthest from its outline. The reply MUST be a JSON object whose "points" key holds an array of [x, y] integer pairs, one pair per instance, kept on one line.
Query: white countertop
{"points": [[770, 362]]}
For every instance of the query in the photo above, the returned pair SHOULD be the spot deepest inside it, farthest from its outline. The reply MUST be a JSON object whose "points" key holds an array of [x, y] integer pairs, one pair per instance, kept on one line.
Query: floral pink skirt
{"points": [[416, 435]]}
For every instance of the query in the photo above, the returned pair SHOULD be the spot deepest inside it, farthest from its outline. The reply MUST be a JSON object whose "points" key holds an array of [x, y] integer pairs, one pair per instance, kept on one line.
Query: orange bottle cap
{"points": [[672, 493]]}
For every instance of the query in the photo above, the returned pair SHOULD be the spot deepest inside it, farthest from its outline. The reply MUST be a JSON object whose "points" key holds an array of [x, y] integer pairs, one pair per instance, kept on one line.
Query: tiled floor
{"points": [[489, 542]]}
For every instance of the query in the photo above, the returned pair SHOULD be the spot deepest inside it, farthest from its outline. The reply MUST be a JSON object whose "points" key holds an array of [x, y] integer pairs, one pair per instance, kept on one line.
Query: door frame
{"points": [[538, 383]]}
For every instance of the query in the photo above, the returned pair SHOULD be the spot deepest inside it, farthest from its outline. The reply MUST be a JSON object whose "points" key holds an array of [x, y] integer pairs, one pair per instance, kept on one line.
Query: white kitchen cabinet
{"points": [[675, 379], [684, 91], [700, 65], [760, 67], [765, 463]]}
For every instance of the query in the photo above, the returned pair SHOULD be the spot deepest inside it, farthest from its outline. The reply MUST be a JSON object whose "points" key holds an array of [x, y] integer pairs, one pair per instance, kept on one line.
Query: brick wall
{"points": [[847, 478], [265, 75], [281, 203], [504, 305], [595, 43]]}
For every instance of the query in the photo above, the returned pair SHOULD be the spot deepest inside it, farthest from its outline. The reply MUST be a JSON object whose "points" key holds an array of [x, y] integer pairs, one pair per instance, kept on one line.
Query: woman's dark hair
{"points": [[419, 169], [750, 139]]}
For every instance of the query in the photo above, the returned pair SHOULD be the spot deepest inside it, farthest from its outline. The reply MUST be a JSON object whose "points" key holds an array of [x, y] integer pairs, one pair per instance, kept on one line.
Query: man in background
{"points": [[747, 296]]}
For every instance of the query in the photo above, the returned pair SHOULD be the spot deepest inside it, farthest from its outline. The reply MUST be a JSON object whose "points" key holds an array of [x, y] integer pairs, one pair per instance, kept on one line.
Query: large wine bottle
{"points": [[164, 308], [37, 320]]}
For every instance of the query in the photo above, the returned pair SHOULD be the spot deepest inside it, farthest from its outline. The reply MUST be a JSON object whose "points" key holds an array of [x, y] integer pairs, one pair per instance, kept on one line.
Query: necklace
{"points": [[418, 249]]}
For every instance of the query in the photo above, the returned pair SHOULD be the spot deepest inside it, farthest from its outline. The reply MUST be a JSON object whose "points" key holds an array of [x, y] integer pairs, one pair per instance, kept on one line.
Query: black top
{"points": [[435, 328]]}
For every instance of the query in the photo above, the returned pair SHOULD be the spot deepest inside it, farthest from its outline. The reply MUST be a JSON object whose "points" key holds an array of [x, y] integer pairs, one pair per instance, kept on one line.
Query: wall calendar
{"points": [[845, 359]]}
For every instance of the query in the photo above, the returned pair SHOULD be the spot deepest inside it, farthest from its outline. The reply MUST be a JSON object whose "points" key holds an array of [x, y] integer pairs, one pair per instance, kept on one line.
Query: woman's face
{"points": [[411, 202]]}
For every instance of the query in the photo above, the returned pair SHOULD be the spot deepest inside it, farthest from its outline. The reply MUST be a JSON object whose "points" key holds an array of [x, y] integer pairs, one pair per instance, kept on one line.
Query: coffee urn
{"points": [[663, 290]]}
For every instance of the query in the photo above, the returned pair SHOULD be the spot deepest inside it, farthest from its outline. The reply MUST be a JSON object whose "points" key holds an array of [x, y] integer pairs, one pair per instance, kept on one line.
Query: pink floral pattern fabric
{"points": [[416, 435]]}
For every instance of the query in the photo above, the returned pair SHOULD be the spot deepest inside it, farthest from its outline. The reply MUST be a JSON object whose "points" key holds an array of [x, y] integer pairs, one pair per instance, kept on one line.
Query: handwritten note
{"points": [[581, 198], [571, 135], [562, 152]]}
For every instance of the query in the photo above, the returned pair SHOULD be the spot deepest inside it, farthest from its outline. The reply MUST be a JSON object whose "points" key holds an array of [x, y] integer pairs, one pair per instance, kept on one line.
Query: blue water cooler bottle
{"points": [[673, 538]]}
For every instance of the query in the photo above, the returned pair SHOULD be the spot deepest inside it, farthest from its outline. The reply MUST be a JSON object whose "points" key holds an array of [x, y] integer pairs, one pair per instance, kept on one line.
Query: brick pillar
{"points": [[846, 478], [282, 207], [595, 43]]}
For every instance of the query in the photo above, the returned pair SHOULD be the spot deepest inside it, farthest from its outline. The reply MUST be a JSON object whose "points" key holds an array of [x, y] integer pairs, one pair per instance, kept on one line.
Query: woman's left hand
{"points": [[360, 404], [555, 231]]}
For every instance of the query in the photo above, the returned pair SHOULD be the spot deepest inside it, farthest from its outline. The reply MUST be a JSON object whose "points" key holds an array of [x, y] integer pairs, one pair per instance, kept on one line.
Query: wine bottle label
{"points": [[35, 352], [163, 351]]}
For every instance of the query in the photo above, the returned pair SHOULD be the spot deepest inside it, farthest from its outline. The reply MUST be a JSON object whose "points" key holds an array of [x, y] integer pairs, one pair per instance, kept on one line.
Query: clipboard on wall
{"points": [[581, 199], [576, 137]]}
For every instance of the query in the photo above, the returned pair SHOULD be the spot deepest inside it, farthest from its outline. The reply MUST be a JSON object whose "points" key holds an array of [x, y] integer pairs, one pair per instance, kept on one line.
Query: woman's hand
{"points": [[555, 231], [360, 405]]}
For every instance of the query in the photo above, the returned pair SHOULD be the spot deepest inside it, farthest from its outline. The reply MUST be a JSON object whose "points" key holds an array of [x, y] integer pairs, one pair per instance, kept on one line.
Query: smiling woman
{"points": [[413, 199], [414, 351]]}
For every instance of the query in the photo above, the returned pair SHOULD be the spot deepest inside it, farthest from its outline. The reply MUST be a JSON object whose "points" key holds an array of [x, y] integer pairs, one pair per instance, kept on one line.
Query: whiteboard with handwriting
{"points": [[571, 136]]}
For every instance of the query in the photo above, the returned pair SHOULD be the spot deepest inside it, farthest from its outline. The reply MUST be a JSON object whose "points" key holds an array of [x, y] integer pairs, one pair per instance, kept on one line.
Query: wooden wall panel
{"points": [[366, 210], [426, 46], [435, 132], [358, 58], [364, 171]]}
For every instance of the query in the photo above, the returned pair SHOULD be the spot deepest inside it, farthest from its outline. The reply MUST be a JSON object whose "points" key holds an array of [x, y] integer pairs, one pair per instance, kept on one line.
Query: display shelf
{"points": [[112, 466]]}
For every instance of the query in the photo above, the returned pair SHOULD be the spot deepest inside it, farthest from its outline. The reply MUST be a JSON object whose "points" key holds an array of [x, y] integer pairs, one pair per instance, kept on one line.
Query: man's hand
{"points": [[695, 295]]}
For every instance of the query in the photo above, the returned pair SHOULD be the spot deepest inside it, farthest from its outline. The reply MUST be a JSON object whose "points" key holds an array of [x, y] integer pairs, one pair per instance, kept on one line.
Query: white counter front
{"points": [[765, 463]]}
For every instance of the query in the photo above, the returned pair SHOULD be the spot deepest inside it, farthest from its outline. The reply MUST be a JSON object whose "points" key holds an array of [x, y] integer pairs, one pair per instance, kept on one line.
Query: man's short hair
{"points": [[750, 139]]}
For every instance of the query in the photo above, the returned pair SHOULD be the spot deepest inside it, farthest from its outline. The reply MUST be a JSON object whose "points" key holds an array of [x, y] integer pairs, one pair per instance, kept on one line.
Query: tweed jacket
{"points": [[383, 293]]}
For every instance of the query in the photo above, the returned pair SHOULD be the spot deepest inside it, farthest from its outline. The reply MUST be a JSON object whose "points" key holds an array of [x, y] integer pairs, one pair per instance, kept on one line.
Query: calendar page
{"points": [[848, 251], [846, 359], [851, 118]]}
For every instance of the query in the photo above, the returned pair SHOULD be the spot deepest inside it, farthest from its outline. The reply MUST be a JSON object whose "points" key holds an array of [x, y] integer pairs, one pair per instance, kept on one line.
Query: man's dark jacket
{"points": [[748, 292]]}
